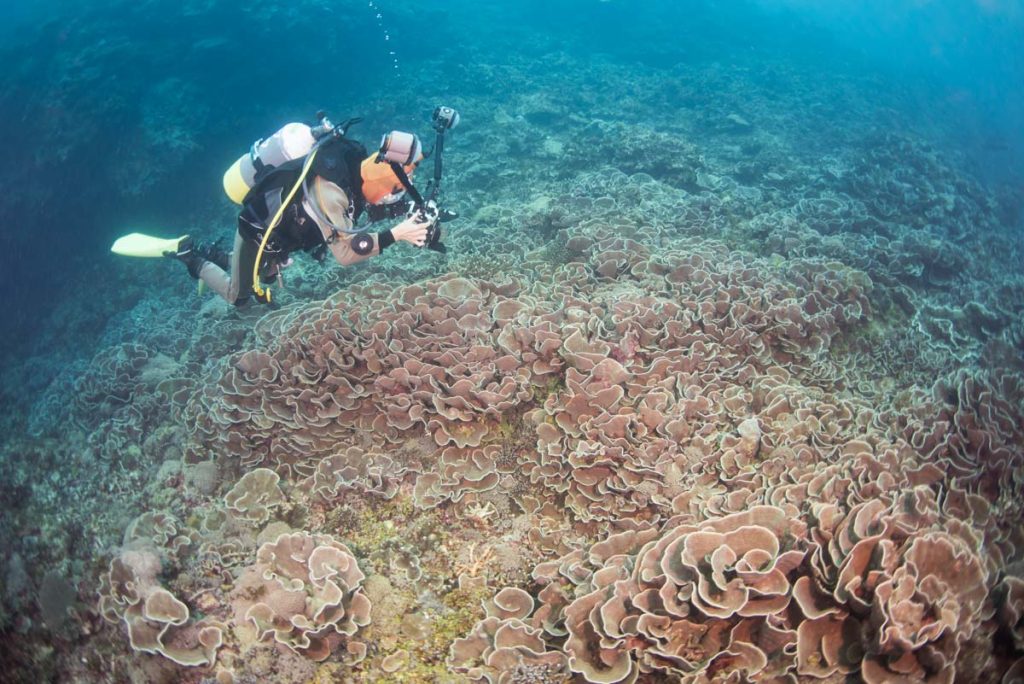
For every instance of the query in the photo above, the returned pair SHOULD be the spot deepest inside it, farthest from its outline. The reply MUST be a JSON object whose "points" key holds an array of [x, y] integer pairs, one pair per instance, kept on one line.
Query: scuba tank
{"points": [[293, 141]]}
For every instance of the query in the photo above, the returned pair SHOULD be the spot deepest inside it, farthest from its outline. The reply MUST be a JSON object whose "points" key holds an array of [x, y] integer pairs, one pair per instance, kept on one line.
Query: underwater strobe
{"points": [[445, 119]]}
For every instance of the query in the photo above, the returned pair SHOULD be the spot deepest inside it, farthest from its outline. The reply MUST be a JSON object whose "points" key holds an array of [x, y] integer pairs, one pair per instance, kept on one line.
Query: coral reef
{"points": [[690, 407], [717, 382]]}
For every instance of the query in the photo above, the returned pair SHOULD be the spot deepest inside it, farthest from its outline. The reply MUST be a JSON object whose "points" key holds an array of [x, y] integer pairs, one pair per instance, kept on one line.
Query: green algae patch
{"points": [[419, 625], [429, 642], [414, 672], [465, 608], [374, 526], [554, 385]]}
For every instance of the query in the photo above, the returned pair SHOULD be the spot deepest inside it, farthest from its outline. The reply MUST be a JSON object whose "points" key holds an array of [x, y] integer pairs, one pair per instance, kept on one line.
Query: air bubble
{"points": [[378, 14]]}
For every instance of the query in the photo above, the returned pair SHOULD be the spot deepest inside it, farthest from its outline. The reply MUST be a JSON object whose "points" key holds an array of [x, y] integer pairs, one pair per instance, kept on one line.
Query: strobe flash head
{"points": [[403, 148], [445, 118]]}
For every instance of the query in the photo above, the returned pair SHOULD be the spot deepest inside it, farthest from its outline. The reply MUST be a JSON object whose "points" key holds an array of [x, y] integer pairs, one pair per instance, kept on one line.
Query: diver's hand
{"points": [[412, 230]]}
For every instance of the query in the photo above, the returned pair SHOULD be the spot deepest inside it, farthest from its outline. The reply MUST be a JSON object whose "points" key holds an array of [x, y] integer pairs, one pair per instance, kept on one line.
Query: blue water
{"points": [[120, 116], [80, 79]]}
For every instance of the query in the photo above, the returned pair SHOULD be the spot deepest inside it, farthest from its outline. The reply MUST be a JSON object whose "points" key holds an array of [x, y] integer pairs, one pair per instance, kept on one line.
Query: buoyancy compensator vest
{"points": [[273, 216], [337, 160]]}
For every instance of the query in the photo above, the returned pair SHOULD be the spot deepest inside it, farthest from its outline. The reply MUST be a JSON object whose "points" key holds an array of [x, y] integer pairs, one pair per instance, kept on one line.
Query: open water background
{"points": [[121, 115]]}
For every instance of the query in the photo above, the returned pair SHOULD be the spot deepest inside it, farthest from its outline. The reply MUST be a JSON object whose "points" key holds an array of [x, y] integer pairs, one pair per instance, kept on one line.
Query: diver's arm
{"points": [[345, 255], [411, 230]]}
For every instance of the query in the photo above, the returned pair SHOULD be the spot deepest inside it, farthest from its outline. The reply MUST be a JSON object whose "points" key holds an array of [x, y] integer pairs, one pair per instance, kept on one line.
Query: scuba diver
{"points": [[305, 189]]}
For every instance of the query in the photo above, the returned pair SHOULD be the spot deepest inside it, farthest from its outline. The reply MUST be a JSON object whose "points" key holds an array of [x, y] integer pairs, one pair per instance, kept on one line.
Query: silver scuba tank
{"points": [[292, 141]]}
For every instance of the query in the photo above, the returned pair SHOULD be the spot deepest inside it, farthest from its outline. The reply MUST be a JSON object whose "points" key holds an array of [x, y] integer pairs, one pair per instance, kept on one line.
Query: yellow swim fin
{"points": [[139, 245]]}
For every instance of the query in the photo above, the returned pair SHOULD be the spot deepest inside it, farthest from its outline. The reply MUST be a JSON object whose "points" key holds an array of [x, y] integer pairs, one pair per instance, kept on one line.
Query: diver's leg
{"points": [[233, 288]]}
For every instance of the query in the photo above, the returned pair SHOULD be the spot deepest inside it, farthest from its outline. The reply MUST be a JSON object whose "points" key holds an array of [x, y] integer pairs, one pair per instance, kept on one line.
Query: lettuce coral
{"points": [[306, 594]]}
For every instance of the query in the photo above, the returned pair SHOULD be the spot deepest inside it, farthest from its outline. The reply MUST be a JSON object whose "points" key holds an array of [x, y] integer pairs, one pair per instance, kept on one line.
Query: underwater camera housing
{"points": [[400, 149], [435, 217]]}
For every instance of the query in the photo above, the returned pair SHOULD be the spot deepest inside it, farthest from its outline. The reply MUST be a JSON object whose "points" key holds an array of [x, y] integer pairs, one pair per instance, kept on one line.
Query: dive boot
{"points": [[216, 254], [194, 254]]}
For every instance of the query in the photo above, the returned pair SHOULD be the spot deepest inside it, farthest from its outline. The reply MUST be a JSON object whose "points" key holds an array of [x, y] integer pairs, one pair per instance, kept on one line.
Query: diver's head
{"points": [[381, 186]]}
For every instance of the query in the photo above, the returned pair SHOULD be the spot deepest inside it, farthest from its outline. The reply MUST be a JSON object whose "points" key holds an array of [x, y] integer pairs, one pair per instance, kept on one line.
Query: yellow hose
{"points": [[256, 287]]}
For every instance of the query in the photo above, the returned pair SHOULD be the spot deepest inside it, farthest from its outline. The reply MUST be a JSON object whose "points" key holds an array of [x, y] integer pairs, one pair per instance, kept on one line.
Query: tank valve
{"points": [[323, 128]]}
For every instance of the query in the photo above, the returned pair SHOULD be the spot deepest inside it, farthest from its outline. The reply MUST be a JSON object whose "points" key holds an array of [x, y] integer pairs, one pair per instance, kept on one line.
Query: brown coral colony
{"points": [[733, 514]]}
